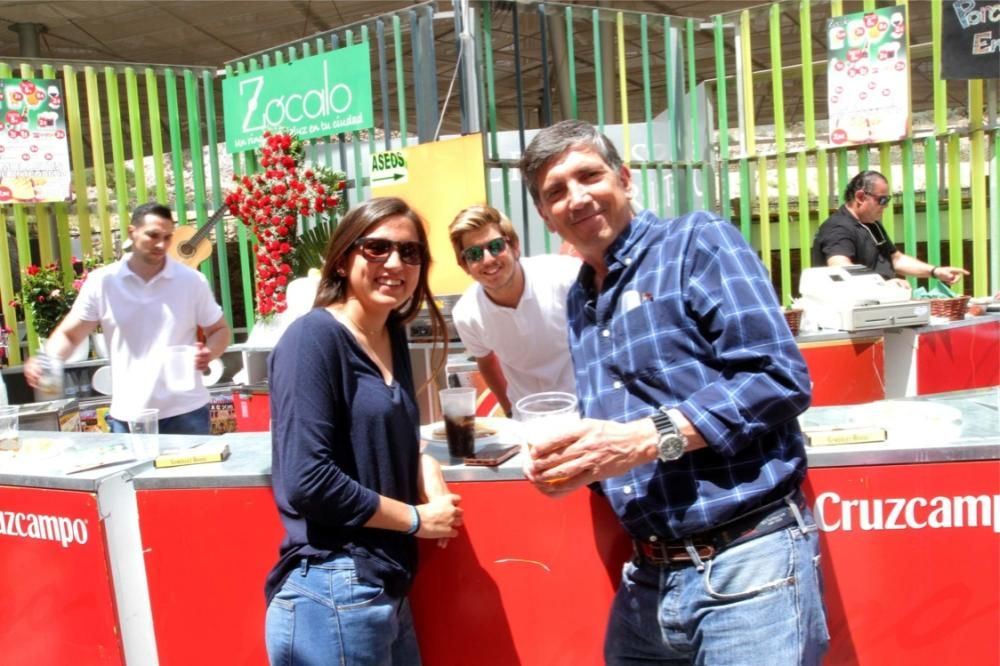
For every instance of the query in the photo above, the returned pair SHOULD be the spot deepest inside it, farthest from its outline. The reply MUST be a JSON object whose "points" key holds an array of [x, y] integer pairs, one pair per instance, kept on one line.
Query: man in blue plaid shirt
{"points": [[690, 384]]}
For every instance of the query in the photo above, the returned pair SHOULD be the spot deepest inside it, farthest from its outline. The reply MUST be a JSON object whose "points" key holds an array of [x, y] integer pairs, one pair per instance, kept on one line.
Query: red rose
{"points": [[285, 269], [32, 270], [282, 280]]}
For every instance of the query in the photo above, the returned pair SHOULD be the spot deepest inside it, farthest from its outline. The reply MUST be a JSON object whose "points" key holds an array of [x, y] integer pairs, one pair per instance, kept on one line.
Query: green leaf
{"points": [[310, 248]]}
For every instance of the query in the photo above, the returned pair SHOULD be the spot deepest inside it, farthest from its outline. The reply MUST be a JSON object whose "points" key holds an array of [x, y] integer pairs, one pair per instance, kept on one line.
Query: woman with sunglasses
{"points": [[352, 489], [854, 235]]}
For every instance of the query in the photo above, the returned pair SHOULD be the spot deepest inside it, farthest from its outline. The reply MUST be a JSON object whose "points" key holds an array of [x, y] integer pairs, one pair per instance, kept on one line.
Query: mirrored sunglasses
{"points": [[475, 253], [881, 200], [377, 250]]}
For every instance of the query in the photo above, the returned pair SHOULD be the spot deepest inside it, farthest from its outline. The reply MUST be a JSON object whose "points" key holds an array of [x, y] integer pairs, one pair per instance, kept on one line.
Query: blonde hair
{"points": [[475, 218]]}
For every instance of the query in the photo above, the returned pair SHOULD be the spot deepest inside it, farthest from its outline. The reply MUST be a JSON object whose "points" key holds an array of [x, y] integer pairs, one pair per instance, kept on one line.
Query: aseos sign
{"points": [[317, 96]]}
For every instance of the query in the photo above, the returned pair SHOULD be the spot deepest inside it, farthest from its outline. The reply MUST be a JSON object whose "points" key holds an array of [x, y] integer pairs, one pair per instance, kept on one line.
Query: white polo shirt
{"points": [[531, 340], [140, 320]]}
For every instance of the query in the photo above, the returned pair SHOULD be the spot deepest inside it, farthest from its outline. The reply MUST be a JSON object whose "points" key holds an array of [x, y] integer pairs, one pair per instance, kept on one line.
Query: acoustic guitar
{"points": [[191, 246]]}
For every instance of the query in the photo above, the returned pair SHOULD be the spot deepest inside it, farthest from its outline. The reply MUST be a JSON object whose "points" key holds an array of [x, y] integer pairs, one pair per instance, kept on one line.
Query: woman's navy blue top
{"points": [[340, 437]]}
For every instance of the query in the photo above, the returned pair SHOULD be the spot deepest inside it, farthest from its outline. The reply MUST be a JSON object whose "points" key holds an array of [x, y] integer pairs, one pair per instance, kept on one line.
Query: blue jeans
{"points": [[195, 422], [324, 615], [758, 602]]}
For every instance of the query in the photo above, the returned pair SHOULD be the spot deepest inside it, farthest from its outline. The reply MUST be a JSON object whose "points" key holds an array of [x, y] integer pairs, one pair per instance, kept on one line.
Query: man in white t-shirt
{"points": [[513, 320], [145, 303]]}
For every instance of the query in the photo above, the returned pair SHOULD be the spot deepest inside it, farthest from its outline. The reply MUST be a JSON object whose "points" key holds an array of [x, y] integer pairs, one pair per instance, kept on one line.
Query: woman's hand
{"points": [[440, 517]]}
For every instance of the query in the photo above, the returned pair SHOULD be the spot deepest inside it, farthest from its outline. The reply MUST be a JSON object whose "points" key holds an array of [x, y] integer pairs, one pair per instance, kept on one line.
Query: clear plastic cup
{"points": [[458, 405], [544, 416], [8, 428], [50, 384], [178, 368], [144, 427]]}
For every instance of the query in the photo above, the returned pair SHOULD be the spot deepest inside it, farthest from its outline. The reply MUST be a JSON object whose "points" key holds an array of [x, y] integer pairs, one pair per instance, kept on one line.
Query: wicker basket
{"points": [[952, 309], [794, 318]]}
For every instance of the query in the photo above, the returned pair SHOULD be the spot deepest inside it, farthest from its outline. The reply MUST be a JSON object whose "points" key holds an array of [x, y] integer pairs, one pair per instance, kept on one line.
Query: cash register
{"points": [[856, 298]]}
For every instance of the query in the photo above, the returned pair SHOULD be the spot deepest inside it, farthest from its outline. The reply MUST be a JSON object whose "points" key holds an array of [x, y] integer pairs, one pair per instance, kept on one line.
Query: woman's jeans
{"points": [[324, 615], [760, 602], [196, 422]]}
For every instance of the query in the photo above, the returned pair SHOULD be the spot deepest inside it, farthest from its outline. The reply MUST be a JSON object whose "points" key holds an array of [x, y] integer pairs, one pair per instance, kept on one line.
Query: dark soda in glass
{"points": [[461, 432]]}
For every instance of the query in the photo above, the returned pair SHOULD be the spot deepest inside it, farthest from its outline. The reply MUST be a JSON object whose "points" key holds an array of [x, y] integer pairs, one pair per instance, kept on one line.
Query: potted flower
{"points": [[272, 201], [48, 299]]}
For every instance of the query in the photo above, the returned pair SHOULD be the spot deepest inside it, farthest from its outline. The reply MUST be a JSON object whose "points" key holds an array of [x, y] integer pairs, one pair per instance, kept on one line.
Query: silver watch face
{"points": [[671, 447]]}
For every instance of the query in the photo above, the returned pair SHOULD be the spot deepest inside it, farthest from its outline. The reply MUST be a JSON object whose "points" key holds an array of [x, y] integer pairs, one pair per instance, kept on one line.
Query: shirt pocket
{"points": [[641, 340]]}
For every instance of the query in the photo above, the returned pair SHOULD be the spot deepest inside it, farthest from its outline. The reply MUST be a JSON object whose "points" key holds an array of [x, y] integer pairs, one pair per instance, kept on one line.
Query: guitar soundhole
{"points": [[185, 249]]}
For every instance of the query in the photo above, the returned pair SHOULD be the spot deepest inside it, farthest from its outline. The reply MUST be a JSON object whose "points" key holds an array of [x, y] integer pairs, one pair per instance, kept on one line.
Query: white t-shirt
{"points": [[139, 321], [531, 340]]}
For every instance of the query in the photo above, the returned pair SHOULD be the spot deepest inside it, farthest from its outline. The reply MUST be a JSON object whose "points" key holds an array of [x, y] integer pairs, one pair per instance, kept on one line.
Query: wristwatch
{"points": [[672, 442]]}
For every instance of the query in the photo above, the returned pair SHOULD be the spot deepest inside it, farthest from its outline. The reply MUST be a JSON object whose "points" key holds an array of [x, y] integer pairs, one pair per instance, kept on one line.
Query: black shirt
{"points": [[864, 244], [340, 437]]}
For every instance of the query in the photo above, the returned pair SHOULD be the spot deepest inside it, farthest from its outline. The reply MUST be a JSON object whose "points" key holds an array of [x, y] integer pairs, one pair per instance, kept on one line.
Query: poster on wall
{"points": [[34, 155], [970, 38], [868, 84], [321, 95]]}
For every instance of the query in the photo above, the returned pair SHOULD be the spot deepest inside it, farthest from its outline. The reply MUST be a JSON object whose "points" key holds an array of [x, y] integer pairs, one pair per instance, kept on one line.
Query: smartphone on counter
{"points": [[492, 455]]}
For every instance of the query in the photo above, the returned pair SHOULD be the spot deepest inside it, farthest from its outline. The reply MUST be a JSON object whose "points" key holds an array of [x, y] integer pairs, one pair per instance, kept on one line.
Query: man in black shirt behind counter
{"points": [[854, 235]]}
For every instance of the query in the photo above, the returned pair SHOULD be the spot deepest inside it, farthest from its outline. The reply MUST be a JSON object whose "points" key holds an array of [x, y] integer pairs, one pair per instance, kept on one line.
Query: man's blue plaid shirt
{"points": [[687, 318]]}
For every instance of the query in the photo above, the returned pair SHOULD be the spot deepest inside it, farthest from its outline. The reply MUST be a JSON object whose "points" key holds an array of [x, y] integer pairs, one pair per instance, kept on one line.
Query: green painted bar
{"points": [[155, 134], [725, 207], [764, 213], [371, 133], [863, 158], [97, 159], [869, 5], [805, 217], [7, 280], [598, 69], [808, 96], [135, 133], [672, 112], [933, 203], [199, 181], [822, 188], [23, 236], [842, 175], [221, 249], [176, 147], [491, 95], [571, 62], [778, 97], [359, 178], [995, 217], [689, 58], [909, 204], [623, 84], [505, 176], [647, 98], [954, 201], [889, 214], [940, 86], [61, 212], [75, 132], [248, 258], [117, 149], [745, 203], [397, 37], [977, 187]]}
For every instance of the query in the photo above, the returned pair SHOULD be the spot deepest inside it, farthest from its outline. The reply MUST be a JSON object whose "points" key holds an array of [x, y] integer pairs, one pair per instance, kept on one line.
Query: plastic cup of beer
{"points": [[178, 368], [458, 405], [145, 429], [8, 428], [50, 383], [544, 416]]}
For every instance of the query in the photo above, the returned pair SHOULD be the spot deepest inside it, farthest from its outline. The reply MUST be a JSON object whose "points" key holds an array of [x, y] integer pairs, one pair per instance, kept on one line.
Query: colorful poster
{"points": [[321, 95], [868, 84], [34, 156]]}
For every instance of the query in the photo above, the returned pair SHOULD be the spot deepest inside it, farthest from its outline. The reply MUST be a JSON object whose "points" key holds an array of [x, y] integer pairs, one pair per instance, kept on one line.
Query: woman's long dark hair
{"points": [[333, 286]]}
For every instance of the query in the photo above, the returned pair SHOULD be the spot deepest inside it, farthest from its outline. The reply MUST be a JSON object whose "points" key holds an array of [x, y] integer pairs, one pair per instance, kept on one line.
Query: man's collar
{"points": [[167, 272]]}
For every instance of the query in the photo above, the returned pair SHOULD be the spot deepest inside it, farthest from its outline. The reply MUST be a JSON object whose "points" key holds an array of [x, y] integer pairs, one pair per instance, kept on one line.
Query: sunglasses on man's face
{"points": [[882, 200], [377, 250], [475, 253]]}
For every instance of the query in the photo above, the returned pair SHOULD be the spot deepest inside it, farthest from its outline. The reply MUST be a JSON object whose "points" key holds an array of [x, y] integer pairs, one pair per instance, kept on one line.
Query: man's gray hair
{"points": [[553, 141]]}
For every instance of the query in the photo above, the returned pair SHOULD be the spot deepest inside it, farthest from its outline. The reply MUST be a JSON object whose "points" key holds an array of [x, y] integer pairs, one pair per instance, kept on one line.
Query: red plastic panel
{"points": [[56, 596], [846, 372], [954, 359], [207, 552], [911, 562]]}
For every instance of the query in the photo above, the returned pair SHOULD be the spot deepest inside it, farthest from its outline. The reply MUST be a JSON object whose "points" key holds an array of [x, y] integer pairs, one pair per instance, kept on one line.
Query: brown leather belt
{"points": [[707, 544]]}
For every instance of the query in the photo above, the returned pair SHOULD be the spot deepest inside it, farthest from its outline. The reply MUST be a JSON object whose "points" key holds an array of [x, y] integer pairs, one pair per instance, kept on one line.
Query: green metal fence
{"points": [[701, 108]]}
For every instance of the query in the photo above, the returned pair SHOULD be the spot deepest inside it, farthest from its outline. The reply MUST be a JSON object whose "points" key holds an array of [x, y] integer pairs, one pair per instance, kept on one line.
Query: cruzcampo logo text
{"points": [[317, 96]]}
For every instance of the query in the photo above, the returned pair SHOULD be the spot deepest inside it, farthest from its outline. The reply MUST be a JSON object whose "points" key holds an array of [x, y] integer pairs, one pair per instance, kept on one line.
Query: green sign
{"points": [[322, 95]]}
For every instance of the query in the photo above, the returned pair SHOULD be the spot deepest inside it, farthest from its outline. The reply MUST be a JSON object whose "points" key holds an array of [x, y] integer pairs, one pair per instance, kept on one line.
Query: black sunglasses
{"points": [[475, 253], [377, 250], [882, 200]]}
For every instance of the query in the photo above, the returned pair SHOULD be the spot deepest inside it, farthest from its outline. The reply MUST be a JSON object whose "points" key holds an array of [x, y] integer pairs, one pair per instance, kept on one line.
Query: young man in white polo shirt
{"points": [[145, 303], [513, 320]]}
